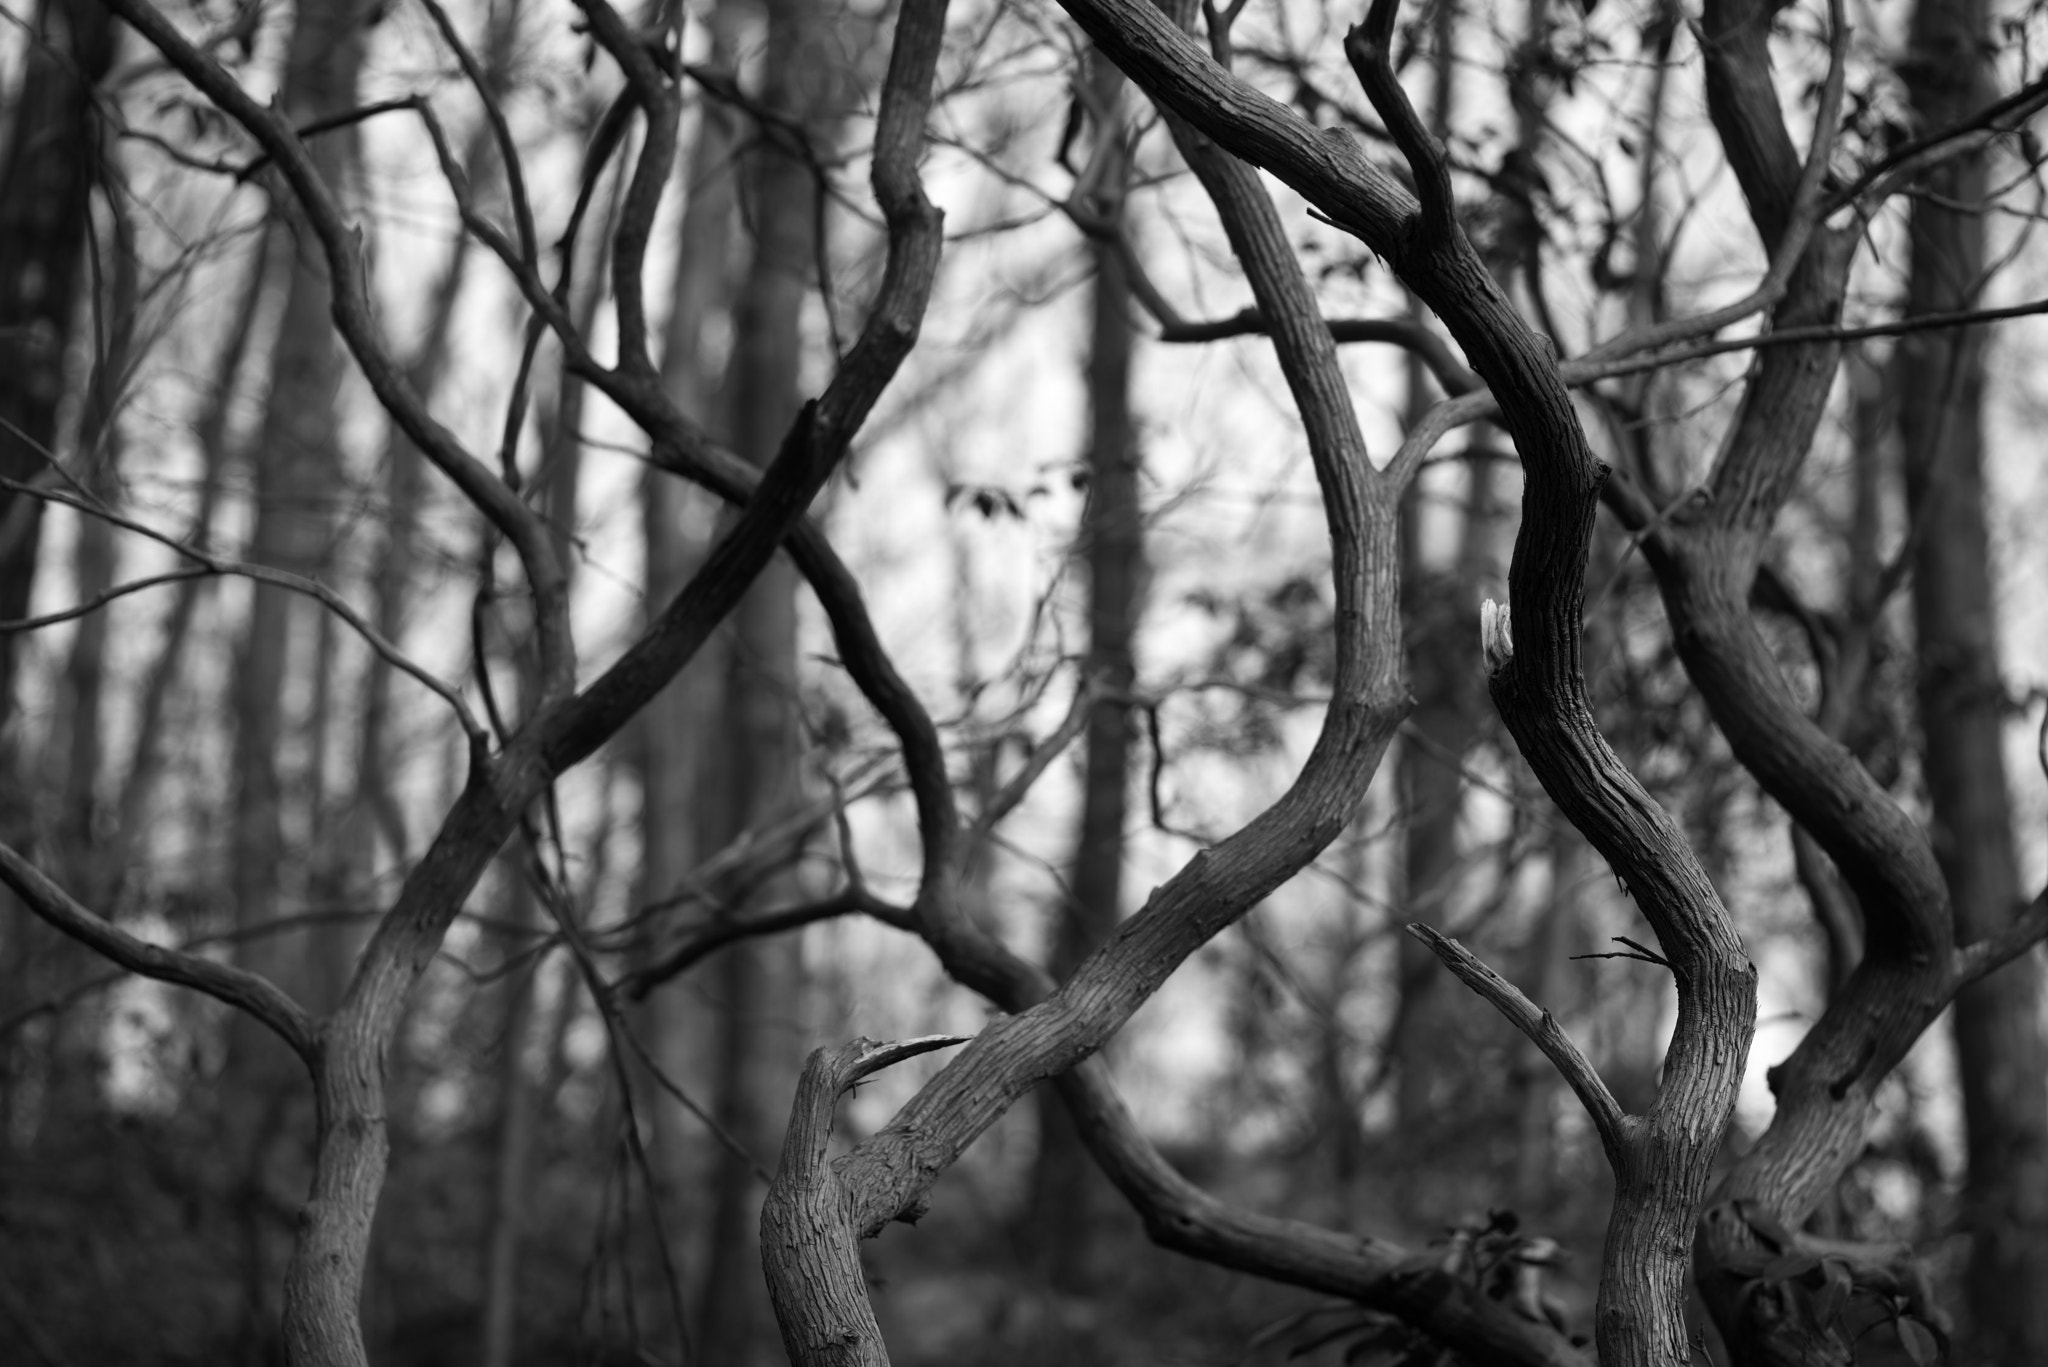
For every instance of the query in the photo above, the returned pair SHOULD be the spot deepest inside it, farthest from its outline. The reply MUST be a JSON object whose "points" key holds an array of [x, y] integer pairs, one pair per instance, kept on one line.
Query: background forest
{"points": [[437, 824]]}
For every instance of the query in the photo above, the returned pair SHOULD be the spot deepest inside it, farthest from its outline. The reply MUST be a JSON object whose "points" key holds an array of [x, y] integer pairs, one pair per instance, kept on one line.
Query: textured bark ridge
{"points": [[809, 1248]]}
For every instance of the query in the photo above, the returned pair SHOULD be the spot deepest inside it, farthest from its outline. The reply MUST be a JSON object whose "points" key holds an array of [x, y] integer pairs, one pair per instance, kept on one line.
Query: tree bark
{"points": [[2001, 1052]]}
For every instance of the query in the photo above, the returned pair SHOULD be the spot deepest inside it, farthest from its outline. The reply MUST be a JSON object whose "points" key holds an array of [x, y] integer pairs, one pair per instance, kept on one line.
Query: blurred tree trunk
{"points": [[679, 759], [520, 1094], [52, 159], [1070, 1199], [142, 774], [48, 165], [759, 984], [75, 751], [2003, 1057], [1439, 608], [721, 745], [297, 479], [518, 1122], [1550, 980]]}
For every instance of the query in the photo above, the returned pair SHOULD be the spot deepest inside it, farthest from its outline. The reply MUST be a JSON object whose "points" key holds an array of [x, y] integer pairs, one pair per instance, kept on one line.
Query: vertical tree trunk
{"points": [[141, 777], [759, 983], [520, 1097], [678, 757], [518, 1120], [296, 478], [1070, 1199], [1439, 607], [47, 168], [2003, 1057], [52, 158], [1571, 859], [76, 750], [721, 744], [295, 481]]}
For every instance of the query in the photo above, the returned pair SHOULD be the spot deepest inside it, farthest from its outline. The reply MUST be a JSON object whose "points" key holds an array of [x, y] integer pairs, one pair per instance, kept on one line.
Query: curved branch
{"points": [[237, 987], [822, 1305], [1609, 1120], [1182, 1217], [100, 600], [1369, 46], [501, 131], [1407, 333], [2026, 930], [264, 574], [650, 76]]}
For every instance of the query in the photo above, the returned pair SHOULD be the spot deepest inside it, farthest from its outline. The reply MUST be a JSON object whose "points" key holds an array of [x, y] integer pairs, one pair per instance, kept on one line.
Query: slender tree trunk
{"points": [[518, 1121], [759, 983], [520, 1095], [1440, 607], [142, 775], [47, 169], [680, 763], [1571, 859], [296, 478], [1070, 1199], [51, 160], [720, 745], [2003, 1056]]}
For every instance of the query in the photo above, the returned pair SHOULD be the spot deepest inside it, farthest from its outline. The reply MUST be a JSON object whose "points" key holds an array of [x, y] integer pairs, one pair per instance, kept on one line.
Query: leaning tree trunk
{"points": [[2002, 1054]]}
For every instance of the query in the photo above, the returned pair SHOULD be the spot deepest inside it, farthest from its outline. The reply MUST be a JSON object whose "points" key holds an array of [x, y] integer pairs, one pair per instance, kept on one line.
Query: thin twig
{"points": [[215, 565], [1543, 1031], [501, 131]]}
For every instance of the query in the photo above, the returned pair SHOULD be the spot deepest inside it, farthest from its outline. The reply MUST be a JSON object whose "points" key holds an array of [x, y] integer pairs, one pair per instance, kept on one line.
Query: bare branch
{"points": [[1613, 1124], [1902, 163], [100, 600], [705, 940], [1409, 334], [215, 565], [650, 73], [1042, 755], [501, 131], [2027, 930], [1369, 46], [238, 987]]}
